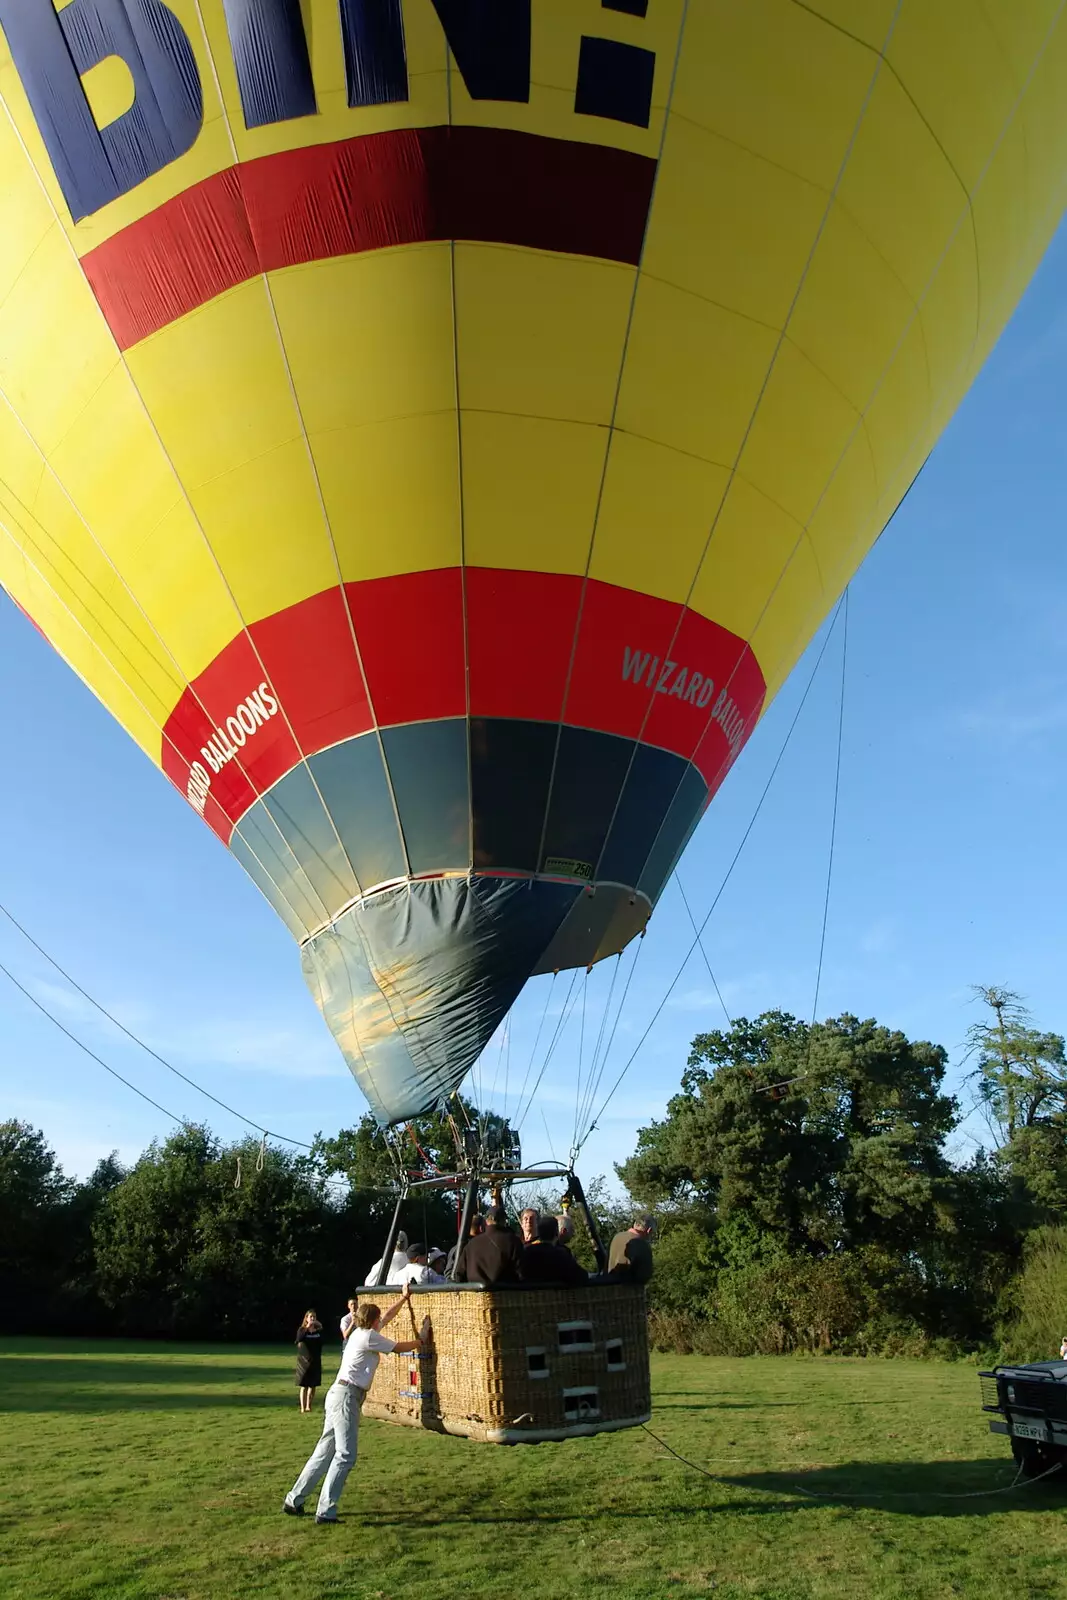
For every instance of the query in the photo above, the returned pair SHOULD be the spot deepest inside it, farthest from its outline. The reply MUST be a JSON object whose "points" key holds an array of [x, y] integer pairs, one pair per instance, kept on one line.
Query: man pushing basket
{"points": [[335, 1453]]}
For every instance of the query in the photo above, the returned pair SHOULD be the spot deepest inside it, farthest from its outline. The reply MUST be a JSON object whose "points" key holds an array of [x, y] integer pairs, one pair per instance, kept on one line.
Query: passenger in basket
{"points": [[545, 1261], [528, 1221], [494, 1257], [565, 1224], [477, 1227], [417, 1270], [396, 1266], [435, 1263], [335, 1453], [630, 1257]]}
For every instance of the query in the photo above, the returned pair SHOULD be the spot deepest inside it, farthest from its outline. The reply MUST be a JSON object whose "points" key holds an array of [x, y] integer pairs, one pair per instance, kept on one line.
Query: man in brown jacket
{"points": [[495, 1256]]}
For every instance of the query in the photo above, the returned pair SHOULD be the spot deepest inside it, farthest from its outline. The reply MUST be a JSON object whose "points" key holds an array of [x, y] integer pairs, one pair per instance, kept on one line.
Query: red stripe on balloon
{"points": [[368, 193], [642, 668]]}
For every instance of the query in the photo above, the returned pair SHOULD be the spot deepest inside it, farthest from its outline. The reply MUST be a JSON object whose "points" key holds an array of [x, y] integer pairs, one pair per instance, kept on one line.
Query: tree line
{"points": [[803, 1176], [811, 1200]]}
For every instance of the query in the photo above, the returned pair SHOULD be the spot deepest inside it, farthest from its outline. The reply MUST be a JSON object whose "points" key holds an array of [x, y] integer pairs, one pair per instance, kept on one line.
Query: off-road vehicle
{"points": [[1031, 1406]]}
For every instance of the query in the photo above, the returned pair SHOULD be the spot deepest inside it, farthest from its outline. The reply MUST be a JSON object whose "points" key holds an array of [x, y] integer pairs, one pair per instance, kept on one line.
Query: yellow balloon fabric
{"points": [[435, 429]]}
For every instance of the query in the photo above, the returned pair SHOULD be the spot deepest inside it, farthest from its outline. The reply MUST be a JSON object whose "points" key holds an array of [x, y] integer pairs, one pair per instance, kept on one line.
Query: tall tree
{"points": [[1022, 1071], [226, 1242], [815, 1138], [35, 1241], [1022, 1081]]}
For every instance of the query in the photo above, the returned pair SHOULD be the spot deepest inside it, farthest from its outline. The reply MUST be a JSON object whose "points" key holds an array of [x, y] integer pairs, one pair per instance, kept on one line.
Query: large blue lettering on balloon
{"points": [[489, 40], [270, 56], [52, 50]]}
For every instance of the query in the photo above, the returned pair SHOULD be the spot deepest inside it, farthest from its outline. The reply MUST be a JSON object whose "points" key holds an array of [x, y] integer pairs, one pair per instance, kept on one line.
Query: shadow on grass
{"points": [[908, 1489], [978, 1488], [102, 1405], [87, 1385], [767, 1405]]}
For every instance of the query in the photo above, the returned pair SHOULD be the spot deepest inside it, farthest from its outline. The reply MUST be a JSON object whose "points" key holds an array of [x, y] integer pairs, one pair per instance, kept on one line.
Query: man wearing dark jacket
{"points": [[477, 1227], [495, 1256], [546, 1261]]}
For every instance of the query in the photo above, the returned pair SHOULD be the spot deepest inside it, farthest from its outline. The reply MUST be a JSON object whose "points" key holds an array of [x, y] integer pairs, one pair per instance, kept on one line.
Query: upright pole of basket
{"points": [[470, 1200], [575, 1185], [390, 1243]]}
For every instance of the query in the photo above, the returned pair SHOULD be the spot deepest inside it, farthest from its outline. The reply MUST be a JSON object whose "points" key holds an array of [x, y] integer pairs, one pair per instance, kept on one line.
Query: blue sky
{"points": [[949, 867]]}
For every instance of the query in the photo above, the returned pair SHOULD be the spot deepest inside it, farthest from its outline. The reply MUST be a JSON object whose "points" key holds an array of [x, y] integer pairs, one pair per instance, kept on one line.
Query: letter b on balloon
{"points": [[53, 50]]}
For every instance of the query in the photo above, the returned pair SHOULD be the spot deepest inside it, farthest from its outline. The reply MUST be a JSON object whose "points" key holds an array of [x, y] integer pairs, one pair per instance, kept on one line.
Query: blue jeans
{"points": [[335, 1453]]}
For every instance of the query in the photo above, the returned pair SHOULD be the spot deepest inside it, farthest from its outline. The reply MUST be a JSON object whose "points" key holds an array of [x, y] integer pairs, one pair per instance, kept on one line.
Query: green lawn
{"points": [[159, 1470]]}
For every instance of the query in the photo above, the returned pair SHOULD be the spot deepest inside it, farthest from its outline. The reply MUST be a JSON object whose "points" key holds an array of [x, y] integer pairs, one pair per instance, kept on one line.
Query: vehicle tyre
{"points": [[1034, 1458]]}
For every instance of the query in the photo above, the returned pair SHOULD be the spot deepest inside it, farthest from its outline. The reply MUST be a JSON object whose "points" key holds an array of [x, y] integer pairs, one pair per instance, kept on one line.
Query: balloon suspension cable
{"points": [[580, 1119], [581, 1057], [453, 1128], [300, 1144], [499, 1058], [431, 1164], [549, 991], [837, 796], [775, 1089], [703, 952], [595, 1082], [561, 1021], [729, 873]]}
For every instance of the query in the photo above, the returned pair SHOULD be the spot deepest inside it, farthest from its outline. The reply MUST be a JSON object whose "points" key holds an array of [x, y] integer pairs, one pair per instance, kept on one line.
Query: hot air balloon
{"points": [[435, 428]]}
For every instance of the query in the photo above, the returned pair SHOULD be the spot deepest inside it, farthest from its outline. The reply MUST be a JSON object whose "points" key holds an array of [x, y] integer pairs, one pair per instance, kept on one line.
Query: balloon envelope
{"points": [[435, 430]]}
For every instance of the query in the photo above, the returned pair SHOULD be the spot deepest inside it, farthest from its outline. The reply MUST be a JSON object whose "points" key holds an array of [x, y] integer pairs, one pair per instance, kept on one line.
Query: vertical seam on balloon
{"points": [[462, 500], [143, 613], [322, 508], [895, 75], [961, 366], [25, 515], [19, 546], [669, 100], [20, 550], [121, 361], [683, 609]]}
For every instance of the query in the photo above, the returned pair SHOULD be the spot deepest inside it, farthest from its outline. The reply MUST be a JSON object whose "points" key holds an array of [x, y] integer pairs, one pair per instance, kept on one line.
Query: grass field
{"points": [[136, 1471]]}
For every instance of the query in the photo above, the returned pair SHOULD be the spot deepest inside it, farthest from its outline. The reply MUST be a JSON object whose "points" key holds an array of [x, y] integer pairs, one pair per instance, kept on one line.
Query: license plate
{"points": [[1030, 1430]]}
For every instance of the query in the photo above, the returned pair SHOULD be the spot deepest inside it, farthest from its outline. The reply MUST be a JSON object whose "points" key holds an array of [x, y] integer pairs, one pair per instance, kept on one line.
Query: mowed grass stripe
{"points": [[130, 1471]]}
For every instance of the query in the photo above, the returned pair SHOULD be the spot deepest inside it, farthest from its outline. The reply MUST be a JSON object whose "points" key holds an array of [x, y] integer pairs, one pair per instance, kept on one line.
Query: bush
{"points": [[790, 1303], [1036, 1306]]}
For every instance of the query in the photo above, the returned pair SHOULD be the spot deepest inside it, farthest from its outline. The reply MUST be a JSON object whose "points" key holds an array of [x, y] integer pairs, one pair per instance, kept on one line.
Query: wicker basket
{"points": [[517, 1365]]}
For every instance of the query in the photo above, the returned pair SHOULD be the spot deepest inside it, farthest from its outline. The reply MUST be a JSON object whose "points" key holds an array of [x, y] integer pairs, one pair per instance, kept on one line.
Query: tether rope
{"points": [[703, 952], [133, 1037], [1018, 1482], [837, 795]]}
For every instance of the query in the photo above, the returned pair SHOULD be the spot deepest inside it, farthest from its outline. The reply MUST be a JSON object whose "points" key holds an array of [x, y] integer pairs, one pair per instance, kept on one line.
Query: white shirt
{"points": [[413, 1273], [347, 1321], [399, 1262], [359, 1359]]}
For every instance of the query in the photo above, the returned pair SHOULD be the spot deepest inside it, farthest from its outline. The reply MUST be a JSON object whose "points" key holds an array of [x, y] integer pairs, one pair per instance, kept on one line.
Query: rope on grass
{"points": [[1018, 1482]]}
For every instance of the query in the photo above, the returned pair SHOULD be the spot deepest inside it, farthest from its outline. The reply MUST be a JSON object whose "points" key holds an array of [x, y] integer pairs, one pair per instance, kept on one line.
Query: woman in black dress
{"points": [[308, 1359]]}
